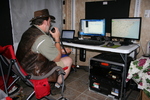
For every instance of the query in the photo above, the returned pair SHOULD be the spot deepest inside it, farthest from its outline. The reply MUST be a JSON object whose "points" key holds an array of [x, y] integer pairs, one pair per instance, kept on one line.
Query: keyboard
{"points": [[88, 42]]}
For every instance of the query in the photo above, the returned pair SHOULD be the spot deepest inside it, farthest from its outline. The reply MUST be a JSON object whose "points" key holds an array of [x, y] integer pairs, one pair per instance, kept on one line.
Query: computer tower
{"points": [[106, 74]]}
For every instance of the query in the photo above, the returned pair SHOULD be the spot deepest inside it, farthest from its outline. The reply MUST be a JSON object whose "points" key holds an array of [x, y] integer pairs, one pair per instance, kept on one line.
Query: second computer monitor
{"points": [[126, 28]]}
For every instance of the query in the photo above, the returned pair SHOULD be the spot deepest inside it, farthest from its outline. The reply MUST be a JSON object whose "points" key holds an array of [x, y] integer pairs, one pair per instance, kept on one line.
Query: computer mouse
{"points": [[109, 44]]}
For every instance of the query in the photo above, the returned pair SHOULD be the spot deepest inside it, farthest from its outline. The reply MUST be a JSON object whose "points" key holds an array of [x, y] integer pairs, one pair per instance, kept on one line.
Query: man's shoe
{"points": [[55, 90]]}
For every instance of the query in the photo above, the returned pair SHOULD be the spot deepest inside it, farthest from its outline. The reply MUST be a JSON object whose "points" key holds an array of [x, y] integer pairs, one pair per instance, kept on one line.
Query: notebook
{"points": [[67, 35]]}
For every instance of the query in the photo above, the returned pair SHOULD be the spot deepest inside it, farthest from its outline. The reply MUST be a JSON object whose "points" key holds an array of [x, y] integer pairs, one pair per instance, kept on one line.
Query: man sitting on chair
{"points": [[39, 49]]}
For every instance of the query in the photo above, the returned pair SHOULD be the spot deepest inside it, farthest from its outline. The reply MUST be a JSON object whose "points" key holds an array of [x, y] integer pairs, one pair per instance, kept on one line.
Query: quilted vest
{"points": [[32, 63]]}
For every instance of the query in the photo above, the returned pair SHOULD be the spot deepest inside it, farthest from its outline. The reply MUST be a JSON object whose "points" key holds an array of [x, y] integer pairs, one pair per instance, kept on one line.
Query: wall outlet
{"points": [[147, 13]]}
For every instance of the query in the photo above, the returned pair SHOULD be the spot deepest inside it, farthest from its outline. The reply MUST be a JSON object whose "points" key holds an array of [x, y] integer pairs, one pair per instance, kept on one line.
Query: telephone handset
{"points": [[53, 31]]}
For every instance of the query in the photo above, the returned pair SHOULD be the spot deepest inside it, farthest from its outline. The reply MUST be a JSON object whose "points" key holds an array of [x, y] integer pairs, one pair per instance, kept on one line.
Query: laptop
{"points": [[67, 35]]}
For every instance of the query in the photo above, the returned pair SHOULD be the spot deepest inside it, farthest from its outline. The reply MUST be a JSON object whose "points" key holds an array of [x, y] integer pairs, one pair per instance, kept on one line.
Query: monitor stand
{"points": [[126, 42]]}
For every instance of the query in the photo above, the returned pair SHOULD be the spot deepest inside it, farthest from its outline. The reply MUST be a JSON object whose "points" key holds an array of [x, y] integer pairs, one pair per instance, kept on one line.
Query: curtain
{"points": [[22, 11]]}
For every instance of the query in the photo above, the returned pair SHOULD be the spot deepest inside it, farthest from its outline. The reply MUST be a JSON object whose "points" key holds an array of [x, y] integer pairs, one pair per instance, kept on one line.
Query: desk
{"points": [[122, 50]]}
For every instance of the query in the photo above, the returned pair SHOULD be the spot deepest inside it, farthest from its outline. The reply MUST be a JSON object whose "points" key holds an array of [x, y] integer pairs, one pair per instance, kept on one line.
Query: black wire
{"points": [[63, 47], [60, 42]]}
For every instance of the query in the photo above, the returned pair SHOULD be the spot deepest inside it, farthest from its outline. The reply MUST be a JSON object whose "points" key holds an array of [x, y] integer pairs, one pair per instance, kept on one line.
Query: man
{"points": [[39, 49]]}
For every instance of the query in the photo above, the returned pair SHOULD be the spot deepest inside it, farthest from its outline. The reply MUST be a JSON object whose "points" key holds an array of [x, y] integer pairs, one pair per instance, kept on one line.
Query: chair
{"points": [[139, 72], [7, 55]]}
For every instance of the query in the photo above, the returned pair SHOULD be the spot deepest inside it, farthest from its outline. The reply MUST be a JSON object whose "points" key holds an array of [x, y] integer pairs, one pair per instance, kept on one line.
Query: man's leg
{"points": [[68, 63]]}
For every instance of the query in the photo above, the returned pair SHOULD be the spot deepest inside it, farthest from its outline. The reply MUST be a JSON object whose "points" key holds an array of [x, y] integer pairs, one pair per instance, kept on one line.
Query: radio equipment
{"points": [[106, 74]]}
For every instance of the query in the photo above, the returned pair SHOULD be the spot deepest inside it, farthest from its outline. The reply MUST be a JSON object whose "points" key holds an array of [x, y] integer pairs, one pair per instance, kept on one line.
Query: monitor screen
{"points": [[92, 27], [67, 34], [126, 28]]}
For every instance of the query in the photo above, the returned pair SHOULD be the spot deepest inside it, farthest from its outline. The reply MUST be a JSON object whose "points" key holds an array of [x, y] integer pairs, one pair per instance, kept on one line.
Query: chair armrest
{"points": [[60, 71]]}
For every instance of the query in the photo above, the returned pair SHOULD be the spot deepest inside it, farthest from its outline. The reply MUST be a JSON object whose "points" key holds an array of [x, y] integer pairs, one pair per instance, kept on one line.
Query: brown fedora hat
{"points": [[41, 14]]}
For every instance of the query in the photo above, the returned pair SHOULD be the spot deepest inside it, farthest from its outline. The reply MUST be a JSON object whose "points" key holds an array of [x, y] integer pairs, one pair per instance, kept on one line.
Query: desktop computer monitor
{"points": [[126, 28], [92, 27]]}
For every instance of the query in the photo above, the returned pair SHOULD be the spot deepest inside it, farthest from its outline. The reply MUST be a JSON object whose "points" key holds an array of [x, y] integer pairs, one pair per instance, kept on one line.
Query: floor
{"points": [[77, 89]]}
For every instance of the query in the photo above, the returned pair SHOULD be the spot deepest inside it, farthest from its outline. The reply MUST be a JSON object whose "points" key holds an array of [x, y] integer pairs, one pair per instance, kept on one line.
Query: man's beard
{"points": [[47, 29]]}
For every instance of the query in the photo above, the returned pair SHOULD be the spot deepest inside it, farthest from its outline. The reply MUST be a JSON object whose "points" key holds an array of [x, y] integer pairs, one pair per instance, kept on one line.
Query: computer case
{"points": [[106, 74]]}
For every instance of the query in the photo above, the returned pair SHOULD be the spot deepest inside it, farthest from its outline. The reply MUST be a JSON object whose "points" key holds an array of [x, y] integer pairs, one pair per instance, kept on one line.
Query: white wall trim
{"points": [[73, 14], [137, 8]]}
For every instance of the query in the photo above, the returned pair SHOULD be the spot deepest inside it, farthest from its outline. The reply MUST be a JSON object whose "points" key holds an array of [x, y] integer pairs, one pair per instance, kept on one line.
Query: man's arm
{"points": [[56, 36], [45, 45]]}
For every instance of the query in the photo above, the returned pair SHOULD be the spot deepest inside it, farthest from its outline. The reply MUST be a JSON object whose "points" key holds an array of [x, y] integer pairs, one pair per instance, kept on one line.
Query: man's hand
{"points": [[56, 34], [68, 50]]}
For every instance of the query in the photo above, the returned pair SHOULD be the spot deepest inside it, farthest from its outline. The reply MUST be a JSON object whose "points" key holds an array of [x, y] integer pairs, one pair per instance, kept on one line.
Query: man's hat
{"points": [[41, 14]]}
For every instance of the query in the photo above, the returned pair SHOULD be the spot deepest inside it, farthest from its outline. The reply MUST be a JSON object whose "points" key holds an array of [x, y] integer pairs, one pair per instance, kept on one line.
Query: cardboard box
{"points": [[144, 96]]}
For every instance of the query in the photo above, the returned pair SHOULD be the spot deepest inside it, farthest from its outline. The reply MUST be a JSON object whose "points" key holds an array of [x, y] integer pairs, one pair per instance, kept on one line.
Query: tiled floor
{"points": [[77, 88]]}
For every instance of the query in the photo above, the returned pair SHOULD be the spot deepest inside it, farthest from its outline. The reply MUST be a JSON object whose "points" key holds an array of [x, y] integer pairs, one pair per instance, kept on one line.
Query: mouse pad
{"points": [[114, 46]]}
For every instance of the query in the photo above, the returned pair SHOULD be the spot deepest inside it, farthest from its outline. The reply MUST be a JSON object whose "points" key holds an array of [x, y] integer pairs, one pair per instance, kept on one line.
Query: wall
{"points": [[22, 11], [80, 14], [145, 32]]}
